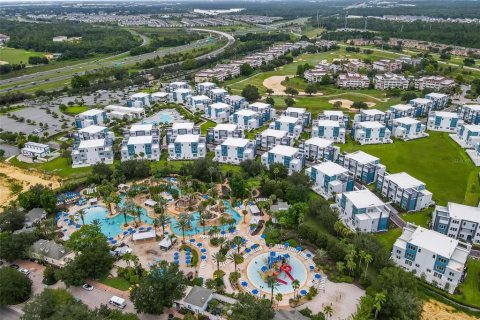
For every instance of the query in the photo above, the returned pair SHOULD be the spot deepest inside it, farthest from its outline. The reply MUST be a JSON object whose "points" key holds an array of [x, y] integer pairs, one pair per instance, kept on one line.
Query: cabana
{"points": [[93, 201], [123, 187], [143, 235], [150, 203], [254, 210], [167, 243]]}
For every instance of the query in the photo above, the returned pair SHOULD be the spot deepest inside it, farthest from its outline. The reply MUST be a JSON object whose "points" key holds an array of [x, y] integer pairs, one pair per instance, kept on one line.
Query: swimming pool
{"points": [[254, 274], [197, 228], [164, 116]]}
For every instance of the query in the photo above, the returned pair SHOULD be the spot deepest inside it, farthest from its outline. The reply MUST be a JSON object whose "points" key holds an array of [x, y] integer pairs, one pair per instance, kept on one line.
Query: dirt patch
{"points": [[275, 83], [347, 104], [433, 309], [27, 178], [3, 62]]}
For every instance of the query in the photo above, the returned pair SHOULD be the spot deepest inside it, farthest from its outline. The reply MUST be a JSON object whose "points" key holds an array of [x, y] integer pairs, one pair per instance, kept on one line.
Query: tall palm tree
{"points": [[124, 211], [295, 286], [379, 300], [328, 311], [320, 256], [162, 220], [211, 171], [203, 220], [221, 242], [218, 257], [272, 283], [368, 258], [81, 213], [137, 212], [238, 242], [236, 259], [184, 222], [279, 298]]}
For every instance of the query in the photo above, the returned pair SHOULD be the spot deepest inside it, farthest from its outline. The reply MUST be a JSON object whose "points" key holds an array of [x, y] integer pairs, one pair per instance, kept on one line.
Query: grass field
{"points": [[469, 290], [388, 238], [58, 166], [437, 160], [117, 283], [74, 110], [420, 218], [208, 124], [12, 55]]}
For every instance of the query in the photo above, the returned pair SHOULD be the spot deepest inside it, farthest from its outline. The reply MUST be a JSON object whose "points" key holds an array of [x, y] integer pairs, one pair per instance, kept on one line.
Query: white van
{"points": [[117, 302]]}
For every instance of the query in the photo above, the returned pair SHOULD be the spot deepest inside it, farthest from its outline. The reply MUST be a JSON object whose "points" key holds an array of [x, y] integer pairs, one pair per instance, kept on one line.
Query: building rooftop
{"points": [[220, 105], [92, 129], [472, 106], [226, 126], [406, 120], [402, 107], [319, 142], [141, 127], [333, 113], [371, 124], [330, 168], [182, 125], [260, 105], [198, 296], [200, 98], [460, 211], [404, 180], [446, 114], [183, 90], [218, 91], [207, 83], [472, 127], [421, 101], [178, 83], [236, 142], [49, 249], [140, 95], [363, 199], [362, 157], [35, 144], [91, 112], [140, 140], [287, 119], [328, 123], [160, 94], [294, 109], [246, 112], [274, 133], [433, 241], [95, 143], [284, 150], [437, 95], [187, 138], [372, 112], [236, 98]]}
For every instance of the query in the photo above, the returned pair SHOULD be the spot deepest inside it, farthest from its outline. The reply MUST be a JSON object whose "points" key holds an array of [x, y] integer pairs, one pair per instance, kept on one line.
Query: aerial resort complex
{"points": [[240, 160]]}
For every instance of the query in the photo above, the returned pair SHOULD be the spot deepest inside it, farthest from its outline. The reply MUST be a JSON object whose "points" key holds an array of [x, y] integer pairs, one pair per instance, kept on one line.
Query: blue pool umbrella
{"points": [[66, 219], [244, 283], [286, 256], [222, 232], [309, 255], [203, 250], [264, 269], [166, 233], [134, 231], [129, 229], [192, 240], [176, 261], [114, 241], [263, 236], [317, 276], [125, 232], [142, 228], [65, 214], [254, 291], [287, 244], [149, 228], [299, 248], [77, 226], [199, 244], [110, 238], [273, 254], [64, 230], [203, 257], [248, 250], [312, 267], [176, 254], [303, 292]]}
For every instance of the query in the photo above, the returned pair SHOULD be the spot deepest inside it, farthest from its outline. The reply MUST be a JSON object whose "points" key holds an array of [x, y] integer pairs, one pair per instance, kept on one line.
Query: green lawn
{"points": [[74, 110], [58, 166], [208, 124], [12, 55], [420, 218], [117, 283], [469, 290], [388, 238], [436, 160]]}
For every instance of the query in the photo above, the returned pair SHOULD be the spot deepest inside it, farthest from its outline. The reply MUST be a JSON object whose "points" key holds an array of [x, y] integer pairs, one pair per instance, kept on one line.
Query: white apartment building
{"points": [[407, 128], [434, 82], [204, 87], [386, 65], [267, 112], [334, 115], [35, 150], [187, 147], [90, 152], [293, 126], [353, 81], [370, 115], [290, 157], [218, 112], [172, 86], [458, 221], [315, 74], [180, 95], [142, 141], [299, 113], [181, 128], [125, 113], [364, 167], [93, 132], [223, 131], [400, 111], [470, 113], [217, 94], [237, 102], [421, 106], [439, 100], [390, 81], [329, 130], [437, 258], [319, 149], [404, 190], [443, 121], [142, 98], [91, 117], [235, 150], [467, 135], [247, 119], [329, 178], [160, 97], [371, 132], [198, 103], [362, 211], [270, 138]]}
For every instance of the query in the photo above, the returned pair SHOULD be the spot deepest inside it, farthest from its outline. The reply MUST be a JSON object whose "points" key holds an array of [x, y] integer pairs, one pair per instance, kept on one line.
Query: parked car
{"points": [[87, 287], [25, 271]]}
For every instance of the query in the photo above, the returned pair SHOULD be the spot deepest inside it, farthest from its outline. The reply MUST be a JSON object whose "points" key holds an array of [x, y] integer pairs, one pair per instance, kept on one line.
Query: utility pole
{"points": [[346, 15], [366, 19]]}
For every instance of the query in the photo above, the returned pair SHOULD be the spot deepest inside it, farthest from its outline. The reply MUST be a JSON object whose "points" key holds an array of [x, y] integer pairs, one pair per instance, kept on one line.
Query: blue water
{"points": [[298, 272], [164, 116], [197, 228]]}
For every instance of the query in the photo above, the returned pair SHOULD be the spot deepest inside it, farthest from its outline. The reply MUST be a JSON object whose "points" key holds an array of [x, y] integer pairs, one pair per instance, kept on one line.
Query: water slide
{"points": [[281, 281], [286, 268]]}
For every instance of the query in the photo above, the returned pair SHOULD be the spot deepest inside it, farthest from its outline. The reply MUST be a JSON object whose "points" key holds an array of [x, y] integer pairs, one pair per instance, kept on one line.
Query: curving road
{"points": [[65, 73]]}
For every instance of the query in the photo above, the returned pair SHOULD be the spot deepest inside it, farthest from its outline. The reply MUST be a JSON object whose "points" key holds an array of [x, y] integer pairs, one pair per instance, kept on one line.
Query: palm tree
{"points": [[137, 212], [203, 220], [340, 267], [124, 211], [320, 256], [236, 259], [295, 286], [244, 212], [213, 232], [82, 212], [221, 242], [361, 254], [379, 301], [218, 257], [368, 258], [238, 242], [211, 171], [328, 311], [279, 298], [272, 283]]}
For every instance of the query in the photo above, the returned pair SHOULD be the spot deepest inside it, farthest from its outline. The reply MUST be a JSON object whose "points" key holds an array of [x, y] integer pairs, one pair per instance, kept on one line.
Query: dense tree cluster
{"points": [[15, 287]]}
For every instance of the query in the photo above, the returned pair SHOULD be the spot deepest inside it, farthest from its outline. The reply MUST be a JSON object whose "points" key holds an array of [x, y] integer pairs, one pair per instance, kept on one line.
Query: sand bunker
{"points": [[436, 310], [275, 83], [347, 104]]}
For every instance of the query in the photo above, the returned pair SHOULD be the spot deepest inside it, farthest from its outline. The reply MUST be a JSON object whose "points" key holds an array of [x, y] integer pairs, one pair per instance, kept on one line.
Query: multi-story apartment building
{"points": [[390, 81], [124, 113], [430, 255], [404, 190], [315, 74], [198, 103], [237, 102], [362, 211], [160, 97], [335, 115], [203, 88], [187, 147], [270, 138], [443, 121], [319, 149], [93, 132], [421, 106], [235, 150], [293, 126], [371, 132], [180, 95], [329, 178], [470, 113], [217, 94], [223, 131], [142, 141], [386, 65], [457, 221], [434, 82], [140, 99], [91, 117], [439, 100], [290, 157], [172, 86], [180, 128], [399, 111], [370, 115], [329, 129], [300, 113], [264, 109], [218, 112], [247, 119], [89, 152], [467, 135], [364, 167], [407, 128], [353, 81], [35, 150]]}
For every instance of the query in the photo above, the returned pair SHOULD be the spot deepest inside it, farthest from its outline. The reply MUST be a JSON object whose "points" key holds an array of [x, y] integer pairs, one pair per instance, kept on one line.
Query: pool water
{"points": [[164, 116], [254, 272]]}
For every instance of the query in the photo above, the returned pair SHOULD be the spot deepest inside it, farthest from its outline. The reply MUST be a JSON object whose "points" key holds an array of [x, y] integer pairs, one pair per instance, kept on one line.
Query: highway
{"points": [[65, 73]]}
